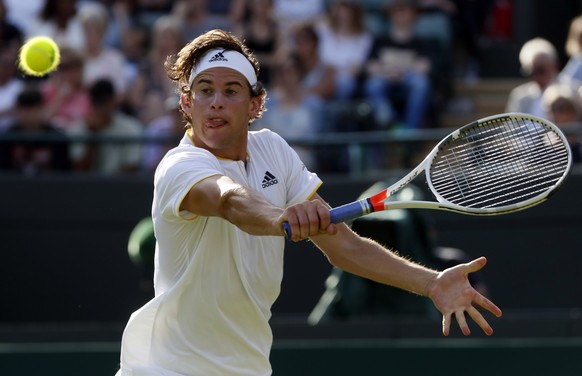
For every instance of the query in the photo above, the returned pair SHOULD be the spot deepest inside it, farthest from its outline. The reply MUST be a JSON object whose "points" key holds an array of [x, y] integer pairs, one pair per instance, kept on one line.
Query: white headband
{"points": [[227, 59]]}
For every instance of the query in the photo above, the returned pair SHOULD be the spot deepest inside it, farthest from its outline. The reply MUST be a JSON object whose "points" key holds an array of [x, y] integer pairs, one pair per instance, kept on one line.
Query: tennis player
{"points": [[220, 199]]}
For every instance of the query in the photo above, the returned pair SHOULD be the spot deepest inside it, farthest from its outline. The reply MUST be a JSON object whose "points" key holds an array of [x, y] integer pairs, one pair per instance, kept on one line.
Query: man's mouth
{"points": [[215, 122]]}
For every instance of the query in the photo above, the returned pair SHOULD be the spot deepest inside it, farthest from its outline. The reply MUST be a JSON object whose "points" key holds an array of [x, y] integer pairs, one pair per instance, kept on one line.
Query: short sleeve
{"points": [[176, 174]]}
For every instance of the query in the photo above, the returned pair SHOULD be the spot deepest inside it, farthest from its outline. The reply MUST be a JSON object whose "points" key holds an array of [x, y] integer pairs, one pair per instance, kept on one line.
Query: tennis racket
{"points": [[496, 165]]}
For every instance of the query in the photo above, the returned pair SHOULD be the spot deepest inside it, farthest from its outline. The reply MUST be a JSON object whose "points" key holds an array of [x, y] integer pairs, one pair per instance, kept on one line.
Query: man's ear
{"points": [[185, 102], [255, 107]]}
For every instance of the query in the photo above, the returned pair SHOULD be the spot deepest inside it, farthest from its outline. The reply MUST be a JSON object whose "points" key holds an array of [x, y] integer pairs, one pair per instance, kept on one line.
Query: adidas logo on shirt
{"points": [[218, 57], [269, 180]]}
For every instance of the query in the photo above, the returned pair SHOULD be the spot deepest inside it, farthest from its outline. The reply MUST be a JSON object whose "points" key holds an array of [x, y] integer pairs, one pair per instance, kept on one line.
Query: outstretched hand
{"points": [[452, 294]]}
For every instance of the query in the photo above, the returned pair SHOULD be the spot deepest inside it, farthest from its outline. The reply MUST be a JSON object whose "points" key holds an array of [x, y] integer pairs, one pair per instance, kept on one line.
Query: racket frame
{"points": [[378, 201]]}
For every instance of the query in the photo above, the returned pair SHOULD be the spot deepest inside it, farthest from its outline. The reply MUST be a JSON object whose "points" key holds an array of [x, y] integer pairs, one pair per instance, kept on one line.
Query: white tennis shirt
{"points": [[214, 284]]}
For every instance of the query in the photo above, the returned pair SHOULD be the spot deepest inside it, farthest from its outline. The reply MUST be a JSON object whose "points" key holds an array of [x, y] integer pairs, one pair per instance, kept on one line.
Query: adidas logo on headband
{"points": [[218, 57], [227, 59]]}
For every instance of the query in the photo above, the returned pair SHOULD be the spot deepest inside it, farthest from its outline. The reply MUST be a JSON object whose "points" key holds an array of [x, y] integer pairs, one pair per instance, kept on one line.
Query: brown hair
{"points": [[179, 67], [573, 45], [357, 16]]}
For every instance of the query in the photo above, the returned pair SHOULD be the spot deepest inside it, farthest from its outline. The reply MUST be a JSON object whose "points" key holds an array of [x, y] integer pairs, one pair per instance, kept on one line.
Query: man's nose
{"points": [[217, 101]]}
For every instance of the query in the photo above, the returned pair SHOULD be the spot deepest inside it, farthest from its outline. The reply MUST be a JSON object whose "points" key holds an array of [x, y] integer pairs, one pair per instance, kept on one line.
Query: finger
{"points": [[296, 232], [446, 325], [324, 218], [475, 265], [488, 305], [314, 221], [460, 316], [304, 226], [331, 229], [301, 228], [480, 320]]}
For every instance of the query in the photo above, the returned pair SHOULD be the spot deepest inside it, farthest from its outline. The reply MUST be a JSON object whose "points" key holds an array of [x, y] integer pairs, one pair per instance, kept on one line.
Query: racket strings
{"points": [[495, 175], [501, 186], [504, 170], [500, 155], [496, 164]]}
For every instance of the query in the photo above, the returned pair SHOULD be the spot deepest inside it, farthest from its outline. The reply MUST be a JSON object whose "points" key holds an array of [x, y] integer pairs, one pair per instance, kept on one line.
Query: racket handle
{"points": [[350, 211], [287, 230], [341, 214]]}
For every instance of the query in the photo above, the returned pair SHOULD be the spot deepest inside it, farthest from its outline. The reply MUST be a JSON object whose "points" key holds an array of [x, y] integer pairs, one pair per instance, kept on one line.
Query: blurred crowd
{"points": [[328, 65]]}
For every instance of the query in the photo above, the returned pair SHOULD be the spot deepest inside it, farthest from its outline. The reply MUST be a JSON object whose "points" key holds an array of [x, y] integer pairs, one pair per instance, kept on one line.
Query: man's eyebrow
{"points": [[208, 81]]}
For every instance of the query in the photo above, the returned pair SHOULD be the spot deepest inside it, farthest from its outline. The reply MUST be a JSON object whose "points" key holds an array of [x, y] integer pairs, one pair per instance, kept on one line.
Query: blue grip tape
{"points": [[347, 212], [287, 230], [341, 214]]}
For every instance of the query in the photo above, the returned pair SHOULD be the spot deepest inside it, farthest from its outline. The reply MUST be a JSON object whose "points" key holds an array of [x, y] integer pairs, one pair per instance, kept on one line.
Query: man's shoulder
{"points": [[187, 160], [265, 135], [525, 89], [191, 153]]}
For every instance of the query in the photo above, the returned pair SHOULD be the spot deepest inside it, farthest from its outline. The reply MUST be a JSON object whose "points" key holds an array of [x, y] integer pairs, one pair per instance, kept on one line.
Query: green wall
{"points": [[448, 357]]}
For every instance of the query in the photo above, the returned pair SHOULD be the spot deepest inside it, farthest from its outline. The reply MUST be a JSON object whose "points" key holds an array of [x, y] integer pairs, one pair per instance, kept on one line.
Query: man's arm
{"points": [[449, 290], [350, 252], [220, 196]]}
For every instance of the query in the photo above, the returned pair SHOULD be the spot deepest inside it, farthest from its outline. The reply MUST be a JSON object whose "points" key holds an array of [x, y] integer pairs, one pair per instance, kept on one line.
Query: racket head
{"points": [[499, 164]]}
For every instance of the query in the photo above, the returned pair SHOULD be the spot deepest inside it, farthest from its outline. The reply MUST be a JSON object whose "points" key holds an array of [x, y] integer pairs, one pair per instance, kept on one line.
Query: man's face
{"points": [[221, 107], [100, 116], [31, 117], [544, 70]]}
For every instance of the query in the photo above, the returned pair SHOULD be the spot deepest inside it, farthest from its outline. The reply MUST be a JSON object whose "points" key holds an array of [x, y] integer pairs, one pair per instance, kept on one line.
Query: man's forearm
{"points": [[368, 259], [220, 196], [250, 211]]}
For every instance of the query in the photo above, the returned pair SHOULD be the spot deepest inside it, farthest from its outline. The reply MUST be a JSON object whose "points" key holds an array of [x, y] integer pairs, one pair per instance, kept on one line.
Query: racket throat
{"points": [[367, 206]]}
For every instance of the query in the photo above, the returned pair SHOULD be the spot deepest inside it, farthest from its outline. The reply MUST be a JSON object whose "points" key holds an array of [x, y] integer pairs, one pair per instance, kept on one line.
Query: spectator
{"points": [[470, 22], [289, 13], [168, 126], [101, 61], [11, 36], [105, 119], [230, 12], [58, 20], [318, 78], [133, 41], [21, 12], [262, 35], [344, 45], [11, 39], [152, 86], [196, 19], [36, 156], [10, 85], [399, 68], [562, 104], [573, 69], [124, 16], [539, 62], [151, 10], [65, 94], [289, 114]]}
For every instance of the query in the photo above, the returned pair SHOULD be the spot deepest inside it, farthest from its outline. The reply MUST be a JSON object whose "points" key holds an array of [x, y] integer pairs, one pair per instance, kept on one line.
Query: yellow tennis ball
{"points": [[39, 56]]}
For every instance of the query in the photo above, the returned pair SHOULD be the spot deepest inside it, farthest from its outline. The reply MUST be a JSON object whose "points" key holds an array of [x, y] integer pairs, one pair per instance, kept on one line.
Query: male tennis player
{"points": [[220, 199]]}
